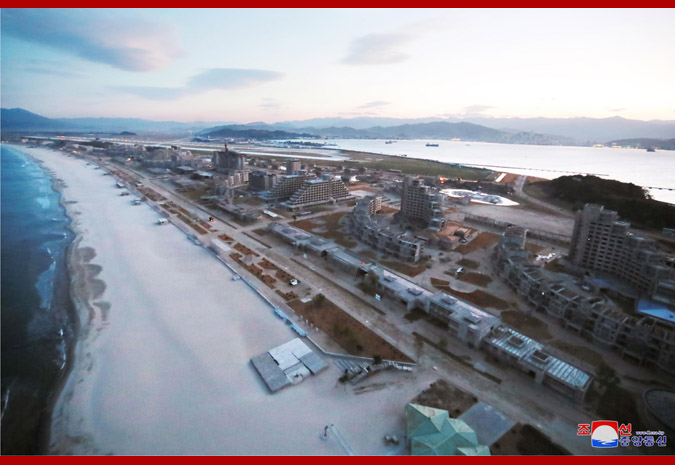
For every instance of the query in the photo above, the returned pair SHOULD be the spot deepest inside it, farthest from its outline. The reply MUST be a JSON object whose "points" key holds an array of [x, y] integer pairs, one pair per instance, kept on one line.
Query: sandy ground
{"points": [[162, 364], [524, 217]]}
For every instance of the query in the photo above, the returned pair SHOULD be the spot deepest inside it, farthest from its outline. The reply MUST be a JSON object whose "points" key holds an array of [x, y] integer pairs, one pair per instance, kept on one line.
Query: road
{"points": [[517, 396]]}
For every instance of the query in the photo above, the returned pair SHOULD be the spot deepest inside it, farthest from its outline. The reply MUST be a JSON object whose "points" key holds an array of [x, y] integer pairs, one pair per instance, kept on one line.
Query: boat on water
{"points": [[432, 145]]}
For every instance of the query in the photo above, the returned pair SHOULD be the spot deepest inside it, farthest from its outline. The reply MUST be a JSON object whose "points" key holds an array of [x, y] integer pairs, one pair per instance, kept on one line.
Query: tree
{"points": [[318, 300], [377, 359], [606, 375]]}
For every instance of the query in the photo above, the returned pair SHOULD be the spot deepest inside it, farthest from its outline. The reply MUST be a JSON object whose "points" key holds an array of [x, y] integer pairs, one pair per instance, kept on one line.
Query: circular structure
{"points": [[661, 405]]}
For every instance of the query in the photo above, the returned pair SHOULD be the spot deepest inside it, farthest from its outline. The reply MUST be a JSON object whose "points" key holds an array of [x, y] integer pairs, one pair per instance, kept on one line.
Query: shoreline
{"points": [[165, 368], [44, 431]]}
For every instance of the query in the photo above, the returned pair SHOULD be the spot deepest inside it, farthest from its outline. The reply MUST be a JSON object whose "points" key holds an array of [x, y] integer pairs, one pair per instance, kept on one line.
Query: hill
{"points": [[630, 201], [241, 131], [646, 143], [18, 119]]}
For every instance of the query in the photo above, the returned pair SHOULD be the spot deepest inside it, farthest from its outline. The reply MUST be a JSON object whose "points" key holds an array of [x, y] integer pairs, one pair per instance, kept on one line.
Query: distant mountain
{"points": [[434, 130], [585, 130], [245, 131], [645, 143], [18, 119], [565, 131]]}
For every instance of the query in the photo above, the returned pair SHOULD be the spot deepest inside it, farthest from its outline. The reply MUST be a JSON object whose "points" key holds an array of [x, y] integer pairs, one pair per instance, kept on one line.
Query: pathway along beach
{"points": [[161, 363]]}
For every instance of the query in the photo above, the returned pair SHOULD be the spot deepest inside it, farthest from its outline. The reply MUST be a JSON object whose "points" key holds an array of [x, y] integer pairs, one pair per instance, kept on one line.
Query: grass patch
{"points": [[261, 231], [482, 241], [369, 254], [466, 263], [410, 270], [527, 324], [479, 298], [439, 283], [582, 353], [619, 403], [535, 248], [410, 165], [386, 209], [414, 315], [474, 278], [526, 440], [347, 331], [443, 395], [331, 224]]}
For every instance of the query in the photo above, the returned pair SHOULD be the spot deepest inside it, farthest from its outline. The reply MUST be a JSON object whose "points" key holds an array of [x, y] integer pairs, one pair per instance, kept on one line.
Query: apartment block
{"points": [[285, 187], [601, 242], [227, 161], [312, 192], [422, 202], [366, 229], [260, 180], [641, 338]]}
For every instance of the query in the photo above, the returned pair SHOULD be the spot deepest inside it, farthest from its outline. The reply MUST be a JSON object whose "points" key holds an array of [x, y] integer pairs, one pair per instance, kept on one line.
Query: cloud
{"points": [[616, 110], [375, 104], [269, 104], [214, 78], [377, 49], [476, 109], [110, 37], [52, 71]]}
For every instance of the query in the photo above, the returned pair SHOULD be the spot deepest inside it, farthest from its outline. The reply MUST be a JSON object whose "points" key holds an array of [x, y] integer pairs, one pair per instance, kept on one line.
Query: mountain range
{"points": [[559, 131]]}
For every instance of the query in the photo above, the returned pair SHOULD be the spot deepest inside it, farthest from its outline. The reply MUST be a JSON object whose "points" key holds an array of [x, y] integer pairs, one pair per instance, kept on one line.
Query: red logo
{"points": [[584, 429]]}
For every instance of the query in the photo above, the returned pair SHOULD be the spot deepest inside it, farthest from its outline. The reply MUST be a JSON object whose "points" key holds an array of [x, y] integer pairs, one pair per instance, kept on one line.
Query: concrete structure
{"points": [[241, 213], [227, 162], [157, 157], [285, 187], [260, 180], [646, 340], [293, 166], [235, 179], [431, 431], [530, 356], [287, 364], [366, 229], [323, 190], [601, 242], [422, 202], [467, 323]]}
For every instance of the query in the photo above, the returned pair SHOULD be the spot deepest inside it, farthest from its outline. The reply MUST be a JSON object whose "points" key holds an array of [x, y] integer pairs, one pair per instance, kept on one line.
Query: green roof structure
{"points": [[431, 431]]}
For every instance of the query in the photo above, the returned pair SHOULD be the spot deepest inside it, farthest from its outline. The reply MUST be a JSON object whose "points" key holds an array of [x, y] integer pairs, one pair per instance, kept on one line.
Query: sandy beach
{"points": [[162, 361]]}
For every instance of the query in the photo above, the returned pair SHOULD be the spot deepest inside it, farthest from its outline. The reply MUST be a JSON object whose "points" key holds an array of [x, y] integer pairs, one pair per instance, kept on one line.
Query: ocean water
{"points": [[647, 169], [37, 315]]}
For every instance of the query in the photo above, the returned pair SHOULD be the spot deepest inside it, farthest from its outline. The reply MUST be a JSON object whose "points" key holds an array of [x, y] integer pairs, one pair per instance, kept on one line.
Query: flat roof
{"points": [[284, 364], [568, 374], [464, 311]]}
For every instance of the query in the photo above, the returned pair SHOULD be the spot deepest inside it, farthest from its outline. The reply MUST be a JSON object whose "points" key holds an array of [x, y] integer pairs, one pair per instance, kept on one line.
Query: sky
{"points": [[280, 65]]}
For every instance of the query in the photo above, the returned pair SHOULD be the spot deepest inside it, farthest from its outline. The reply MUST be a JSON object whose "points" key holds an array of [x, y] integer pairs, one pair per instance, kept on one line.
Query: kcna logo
{"points": [[604, 433]]}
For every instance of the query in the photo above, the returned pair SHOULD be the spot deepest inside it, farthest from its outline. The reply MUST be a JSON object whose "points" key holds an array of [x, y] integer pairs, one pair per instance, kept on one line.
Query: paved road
{"points": [[517, 396]]}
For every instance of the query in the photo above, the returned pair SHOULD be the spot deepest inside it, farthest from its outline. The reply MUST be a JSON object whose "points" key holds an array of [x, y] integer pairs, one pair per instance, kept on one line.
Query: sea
{"points": [[654, 170], [38, 320]]}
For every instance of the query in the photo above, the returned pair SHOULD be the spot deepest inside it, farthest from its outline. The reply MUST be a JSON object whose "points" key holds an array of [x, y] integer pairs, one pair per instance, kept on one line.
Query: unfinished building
{"points": [[285, 187], [227, 161], [643, 339], [313, 192], [422, 202], [601, 242], [366, 229]]}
